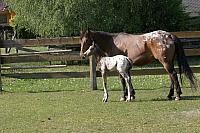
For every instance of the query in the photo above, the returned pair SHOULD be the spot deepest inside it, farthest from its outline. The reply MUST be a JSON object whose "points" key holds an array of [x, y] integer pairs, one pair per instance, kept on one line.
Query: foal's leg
{"points": [[129, 84], [124, 89], [104, 78]]}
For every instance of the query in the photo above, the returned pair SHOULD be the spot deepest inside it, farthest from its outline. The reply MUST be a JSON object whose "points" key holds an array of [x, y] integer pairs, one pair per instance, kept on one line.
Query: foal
{"points": [[120, 63]]}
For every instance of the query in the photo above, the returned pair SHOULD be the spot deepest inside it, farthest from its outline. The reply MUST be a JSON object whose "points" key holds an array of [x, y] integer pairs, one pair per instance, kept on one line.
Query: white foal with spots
{"points": [[119, 63]]}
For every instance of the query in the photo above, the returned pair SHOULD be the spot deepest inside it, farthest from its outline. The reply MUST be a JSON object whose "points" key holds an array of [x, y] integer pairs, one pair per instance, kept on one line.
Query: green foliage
{"points": [[52, 18], [166, 15]]}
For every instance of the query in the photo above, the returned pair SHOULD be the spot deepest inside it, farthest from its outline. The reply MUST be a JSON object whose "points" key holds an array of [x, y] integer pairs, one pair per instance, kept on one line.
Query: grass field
{"points": [[68, 105]]}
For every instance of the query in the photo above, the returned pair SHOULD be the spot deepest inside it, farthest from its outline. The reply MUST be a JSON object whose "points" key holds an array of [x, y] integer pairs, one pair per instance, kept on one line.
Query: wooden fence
{"points": [[191, 39]]}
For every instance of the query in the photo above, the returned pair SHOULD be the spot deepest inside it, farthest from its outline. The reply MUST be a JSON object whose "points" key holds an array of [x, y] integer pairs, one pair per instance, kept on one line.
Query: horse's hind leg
{"points": [[171, 91], [174, 81], [104, 78], [177, 85]]}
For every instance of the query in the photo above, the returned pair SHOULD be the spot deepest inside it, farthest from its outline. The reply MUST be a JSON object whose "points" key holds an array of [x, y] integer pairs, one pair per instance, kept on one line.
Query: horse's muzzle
{"points": [[83, 56]]}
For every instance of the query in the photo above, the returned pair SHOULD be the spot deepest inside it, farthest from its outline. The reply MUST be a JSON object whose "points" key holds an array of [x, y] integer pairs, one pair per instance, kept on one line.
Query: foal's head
{"points": [[94, 50], [91, 51], [85, 41]]}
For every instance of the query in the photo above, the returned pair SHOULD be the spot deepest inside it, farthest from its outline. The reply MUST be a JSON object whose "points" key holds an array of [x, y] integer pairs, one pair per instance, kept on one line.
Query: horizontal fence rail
{"points": [[39, 42], [68, 54], [46, 75], [39, 58]]}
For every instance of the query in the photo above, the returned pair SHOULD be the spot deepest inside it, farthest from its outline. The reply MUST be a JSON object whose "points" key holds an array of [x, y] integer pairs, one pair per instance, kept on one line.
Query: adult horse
{"points": [[142, 49]]}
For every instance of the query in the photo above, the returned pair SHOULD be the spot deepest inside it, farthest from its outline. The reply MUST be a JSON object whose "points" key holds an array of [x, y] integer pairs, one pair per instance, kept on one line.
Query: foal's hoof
{"points": [[105, 100], [122, 99], [177, 98], [128, 100], [132, 97]]}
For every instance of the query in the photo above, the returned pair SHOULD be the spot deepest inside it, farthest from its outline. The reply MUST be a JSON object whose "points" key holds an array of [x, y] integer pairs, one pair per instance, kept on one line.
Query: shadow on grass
{"points": [[182, 98], [49, 91], [190, 97], [162, 99], [137, 89]]}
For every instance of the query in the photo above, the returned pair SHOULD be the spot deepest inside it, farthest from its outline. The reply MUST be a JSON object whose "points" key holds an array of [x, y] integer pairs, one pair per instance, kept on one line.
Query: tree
{"points": [[51, 18], [163, 14]]}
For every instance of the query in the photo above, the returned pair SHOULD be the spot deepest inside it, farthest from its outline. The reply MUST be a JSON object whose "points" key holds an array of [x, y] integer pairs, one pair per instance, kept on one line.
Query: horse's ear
{"points": [[93, 44], [81, 32], [88, 30]]}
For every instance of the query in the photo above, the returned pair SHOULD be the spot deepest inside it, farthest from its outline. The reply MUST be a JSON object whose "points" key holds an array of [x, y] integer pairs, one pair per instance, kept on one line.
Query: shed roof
{"points": [[192, 6], [2, 4]]}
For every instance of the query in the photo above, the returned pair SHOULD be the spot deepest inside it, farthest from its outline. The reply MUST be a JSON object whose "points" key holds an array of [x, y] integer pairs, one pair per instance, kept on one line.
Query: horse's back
{"points": [[142, 49], [134, 46]]}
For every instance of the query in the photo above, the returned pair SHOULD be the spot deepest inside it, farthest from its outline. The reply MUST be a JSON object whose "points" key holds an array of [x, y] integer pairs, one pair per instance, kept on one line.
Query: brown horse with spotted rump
{"points": [[141, 50]]}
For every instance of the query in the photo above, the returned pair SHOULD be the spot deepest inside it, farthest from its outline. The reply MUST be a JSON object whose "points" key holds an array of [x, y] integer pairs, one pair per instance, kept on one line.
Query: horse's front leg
{"points": [[104, 78], [124, 89]]}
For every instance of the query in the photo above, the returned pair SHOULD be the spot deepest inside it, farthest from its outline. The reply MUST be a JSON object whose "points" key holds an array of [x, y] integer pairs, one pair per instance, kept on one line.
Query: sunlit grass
{"points": [[69, 105]]}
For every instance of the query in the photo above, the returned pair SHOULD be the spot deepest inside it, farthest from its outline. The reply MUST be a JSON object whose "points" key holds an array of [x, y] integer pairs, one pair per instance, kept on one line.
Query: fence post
{"points": [[93, 80], [1, 88]]}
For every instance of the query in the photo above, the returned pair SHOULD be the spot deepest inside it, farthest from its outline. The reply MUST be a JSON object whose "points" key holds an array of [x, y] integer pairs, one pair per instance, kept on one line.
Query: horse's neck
{"points": [[103, 40], [99, 54]]}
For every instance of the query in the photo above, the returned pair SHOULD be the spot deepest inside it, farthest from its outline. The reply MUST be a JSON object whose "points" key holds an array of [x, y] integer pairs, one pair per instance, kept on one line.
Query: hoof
{"points": [[105, 100], [169, 98], [128, 100], [177, 98], [122, 99], [132, 97]]}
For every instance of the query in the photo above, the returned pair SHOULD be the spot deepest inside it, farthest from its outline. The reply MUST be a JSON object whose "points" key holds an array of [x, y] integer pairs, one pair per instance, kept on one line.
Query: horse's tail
{"points": [[183, 64], [129, 63]]}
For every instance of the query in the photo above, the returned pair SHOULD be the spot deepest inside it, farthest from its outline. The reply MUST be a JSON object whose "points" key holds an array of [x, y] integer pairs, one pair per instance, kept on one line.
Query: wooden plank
{"points": [[71, 40], [32, 67], [45, 75], [39, 42], [39, 52], [192, 52], [148, 71], [187, 34], [1, 88], [189, 40], [39, 58]]}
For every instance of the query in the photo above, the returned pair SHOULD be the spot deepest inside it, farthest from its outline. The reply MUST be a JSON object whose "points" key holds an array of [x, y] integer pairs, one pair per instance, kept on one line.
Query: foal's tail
{"points": [[183, 64]]}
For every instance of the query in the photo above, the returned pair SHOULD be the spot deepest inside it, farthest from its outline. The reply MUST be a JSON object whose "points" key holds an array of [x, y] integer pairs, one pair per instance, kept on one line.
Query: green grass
{"points": [[69, 105]]}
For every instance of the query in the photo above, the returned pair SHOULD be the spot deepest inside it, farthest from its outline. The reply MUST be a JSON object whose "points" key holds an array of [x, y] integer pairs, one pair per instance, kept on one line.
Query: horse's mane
{"points": [[99, 53]]}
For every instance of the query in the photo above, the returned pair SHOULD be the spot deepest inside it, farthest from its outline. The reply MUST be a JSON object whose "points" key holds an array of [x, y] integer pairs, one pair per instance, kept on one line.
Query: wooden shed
{"points": [[193, 8], [6, 15]]}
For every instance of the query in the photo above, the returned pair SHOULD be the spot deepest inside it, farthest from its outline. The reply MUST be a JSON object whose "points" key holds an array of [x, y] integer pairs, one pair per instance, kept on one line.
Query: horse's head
{"points": [[86, 40]]}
